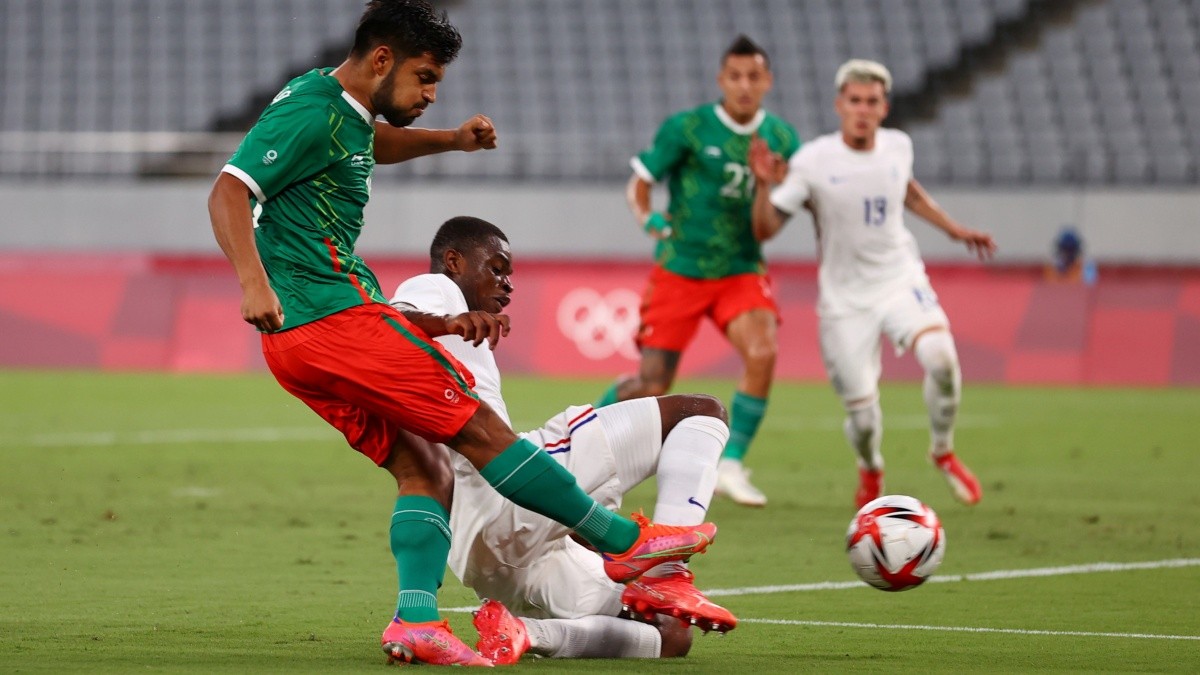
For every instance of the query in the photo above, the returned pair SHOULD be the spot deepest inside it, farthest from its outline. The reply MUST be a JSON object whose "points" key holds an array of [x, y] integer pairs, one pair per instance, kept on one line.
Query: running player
{"points": [[871, 277], [707, 262], [527, 562], [331, 339]]}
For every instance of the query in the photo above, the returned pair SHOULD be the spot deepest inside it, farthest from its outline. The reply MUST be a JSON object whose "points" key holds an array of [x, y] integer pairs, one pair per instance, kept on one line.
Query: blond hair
{"points": [[862, 70]]}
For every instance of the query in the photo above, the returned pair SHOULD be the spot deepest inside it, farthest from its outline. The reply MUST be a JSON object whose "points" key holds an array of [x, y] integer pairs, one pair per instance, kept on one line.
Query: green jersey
{"points": [[702, 153], [308, 161]]}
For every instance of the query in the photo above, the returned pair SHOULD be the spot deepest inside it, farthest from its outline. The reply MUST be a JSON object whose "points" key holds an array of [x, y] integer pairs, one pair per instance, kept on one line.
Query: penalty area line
{"points": [[967, 629]]}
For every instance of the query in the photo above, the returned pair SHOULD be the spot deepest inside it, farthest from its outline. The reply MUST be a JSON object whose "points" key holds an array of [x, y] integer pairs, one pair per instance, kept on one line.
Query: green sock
{"points": [[421, 543], [609, 397], [532, 479], [744, 419]]}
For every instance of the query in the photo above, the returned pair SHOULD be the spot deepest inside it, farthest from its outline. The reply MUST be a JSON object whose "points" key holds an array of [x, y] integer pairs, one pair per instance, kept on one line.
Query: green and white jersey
{"points": [[702, 154], [308, 161]]}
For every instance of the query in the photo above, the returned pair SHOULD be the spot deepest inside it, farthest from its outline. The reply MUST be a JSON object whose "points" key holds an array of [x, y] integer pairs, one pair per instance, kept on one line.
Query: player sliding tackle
{"points": [[331, 339], [871, 279], [568, 604]]}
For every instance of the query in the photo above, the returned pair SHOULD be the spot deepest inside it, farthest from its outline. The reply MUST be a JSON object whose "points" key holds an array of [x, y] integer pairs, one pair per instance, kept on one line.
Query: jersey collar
{"points": [[744, 129], [366, 115]]}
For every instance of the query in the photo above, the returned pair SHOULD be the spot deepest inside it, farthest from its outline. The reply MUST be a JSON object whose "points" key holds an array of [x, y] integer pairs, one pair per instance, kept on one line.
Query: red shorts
{"points": [[370, 373], [673, 305]]}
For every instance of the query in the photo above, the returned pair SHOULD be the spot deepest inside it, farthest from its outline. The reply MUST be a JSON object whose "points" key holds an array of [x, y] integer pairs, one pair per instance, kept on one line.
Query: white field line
{"points": [[969, 629], [1090, 568]]}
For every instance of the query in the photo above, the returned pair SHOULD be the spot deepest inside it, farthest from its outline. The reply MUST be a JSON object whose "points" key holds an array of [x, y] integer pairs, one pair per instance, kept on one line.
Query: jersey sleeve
{"points": [[423, 294], [790, 195], [667, 151], [290, 142]]}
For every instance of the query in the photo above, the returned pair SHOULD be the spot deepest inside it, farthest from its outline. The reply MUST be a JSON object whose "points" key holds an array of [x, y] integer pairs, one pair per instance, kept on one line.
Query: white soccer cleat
{"points": [[733, 481]]}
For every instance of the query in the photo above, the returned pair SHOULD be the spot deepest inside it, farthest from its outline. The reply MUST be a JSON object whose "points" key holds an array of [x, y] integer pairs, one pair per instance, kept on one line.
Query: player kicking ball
{"points": [[562, 591], [857, 183]]}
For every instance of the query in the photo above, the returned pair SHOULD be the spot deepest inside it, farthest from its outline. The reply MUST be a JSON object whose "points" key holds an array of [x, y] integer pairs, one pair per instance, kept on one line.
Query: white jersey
{"points": [[858, 204], [438, 294], [498, 548]]}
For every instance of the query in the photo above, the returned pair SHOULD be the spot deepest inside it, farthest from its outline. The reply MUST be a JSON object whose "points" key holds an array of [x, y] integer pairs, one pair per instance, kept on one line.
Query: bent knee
{"points": [[676, 638]]}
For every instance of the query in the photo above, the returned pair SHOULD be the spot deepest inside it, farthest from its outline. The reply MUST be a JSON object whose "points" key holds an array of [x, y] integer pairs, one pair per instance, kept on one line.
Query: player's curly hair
{"points": [[409, 27], [460, 233], [744, 46]]}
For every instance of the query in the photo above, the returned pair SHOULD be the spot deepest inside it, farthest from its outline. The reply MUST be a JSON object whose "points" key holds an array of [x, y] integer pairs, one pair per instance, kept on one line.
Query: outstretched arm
{"points": [[233, 226], [919, 202], [399, 144], [476, 327], [769, 169]]}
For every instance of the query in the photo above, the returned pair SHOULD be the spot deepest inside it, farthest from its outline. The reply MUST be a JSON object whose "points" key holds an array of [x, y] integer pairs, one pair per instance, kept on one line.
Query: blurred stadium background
{"points": [[1028, 116]]}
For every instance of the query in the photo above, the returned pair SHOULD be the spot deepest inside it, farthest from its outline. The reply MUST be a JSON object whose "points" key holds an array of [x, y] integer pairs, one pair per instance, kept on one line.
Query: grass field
{"points": [[213, 524]]}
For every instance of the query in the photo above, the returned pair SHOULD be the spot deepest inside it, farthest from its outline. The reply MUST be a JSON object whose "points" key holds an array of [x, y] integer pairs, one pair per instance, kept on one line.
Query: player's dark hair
{"points": [[409, 27], [460, 233], [744, 46]]}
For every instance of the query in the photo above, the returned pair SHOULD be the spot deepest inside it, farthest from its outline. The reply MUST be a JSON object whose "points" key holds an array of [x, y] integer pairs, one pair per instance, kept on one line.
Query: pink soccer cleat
{"points": [[502, 636], [657, 544], [962, 482], [429, 642], [676, 595]]}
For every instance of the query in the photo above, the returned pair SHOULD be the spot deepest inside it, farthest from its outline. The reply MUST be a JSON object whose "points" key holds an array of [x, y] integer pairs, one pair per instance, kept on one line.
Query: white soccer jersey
{"points": [[438, 294], [507, 552], [858, 204]]}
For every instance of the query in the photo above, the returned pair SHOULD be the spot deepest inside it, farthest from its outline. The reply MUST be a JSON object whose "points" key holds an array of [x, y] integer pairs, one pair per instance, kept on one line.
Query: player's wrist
{"points": [[656, 223]]}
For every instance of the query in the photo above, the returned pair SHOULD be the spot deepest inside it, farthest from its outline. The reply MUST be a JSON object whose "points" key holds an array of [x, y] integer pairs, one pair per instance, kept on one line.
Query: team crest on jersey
{"points": [[712, 151]]}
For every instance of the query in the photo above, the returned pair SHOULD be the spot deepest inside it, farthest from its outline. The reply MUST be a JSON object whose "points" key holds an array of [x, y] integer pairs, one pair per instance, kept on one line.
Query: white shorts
{"points": [[551, 575], [850, 343]]}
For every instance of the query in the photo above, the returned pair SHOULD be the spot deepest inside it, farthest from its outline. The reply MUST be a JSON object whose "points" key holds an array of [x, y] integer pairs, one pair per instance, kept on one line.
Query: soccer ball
{"points": [[895, 543]]}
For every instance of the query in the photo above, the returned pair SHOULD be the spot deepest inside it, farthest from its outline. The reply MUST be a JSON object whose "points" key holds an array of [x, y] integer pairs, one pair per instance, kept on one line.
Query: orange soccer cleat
{"points": [[962, 481], [657, 544], [429, 642], [676, 595], [870, 486], [502, 636]]}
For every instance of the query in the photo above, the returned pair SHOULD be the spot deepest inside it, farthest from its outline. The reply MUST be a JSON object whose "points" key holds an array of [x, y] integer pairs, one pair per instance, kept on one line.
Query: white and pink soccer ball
{"points": [[895, 543]]}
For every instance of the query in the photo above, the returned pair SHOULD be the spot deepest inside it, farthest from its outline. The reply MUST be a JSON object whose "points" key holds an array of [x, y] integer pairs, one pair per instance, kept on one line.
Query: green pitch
{"points": [[213, 524]]}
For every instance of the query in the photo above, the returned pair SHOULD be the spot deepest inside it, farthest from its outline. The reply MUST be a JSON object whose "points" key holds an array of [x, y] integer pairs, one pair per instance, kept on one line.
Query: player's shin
{"points": [[687, 470], [420, 537], [533, 480], [745, 416], [597, 637], [864, 432], [942, 388]]}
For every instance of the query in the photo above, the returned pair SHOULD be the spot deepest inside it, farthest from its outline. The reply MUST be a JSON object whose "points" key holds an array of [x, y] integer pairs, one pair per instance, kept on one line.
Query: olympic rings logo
{"points": [[600, 325]]}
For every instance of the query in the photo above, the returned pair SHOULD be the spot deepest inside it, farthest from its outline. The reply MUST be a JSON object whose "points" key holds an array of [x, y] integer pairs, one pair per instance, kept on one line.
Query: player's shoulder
{"points": [[690, 116], [310, 94], [821, 146], [894, 138], [417, 290], [781, 130]]}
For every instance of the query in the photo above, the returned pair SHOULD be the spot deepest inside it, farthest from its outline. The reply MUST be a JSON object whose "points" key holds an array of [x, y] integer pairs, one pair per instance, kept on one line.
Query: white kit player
{"points": [[529, 564], [857, 182]]}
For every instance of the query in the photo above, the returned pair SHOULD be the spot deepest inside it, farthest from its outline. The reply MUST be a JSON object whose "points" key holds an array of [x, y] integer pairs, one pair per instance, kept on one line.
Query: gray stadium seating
{"points": [[1110, 94]]}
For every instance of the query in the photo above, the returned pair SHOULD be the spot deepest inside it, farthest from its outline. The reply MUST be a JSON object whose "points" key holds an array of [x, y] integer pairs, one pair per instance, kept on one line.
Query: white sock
{"points": [[864, 431], [943, 387], [594, 637], [687, 470]]}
